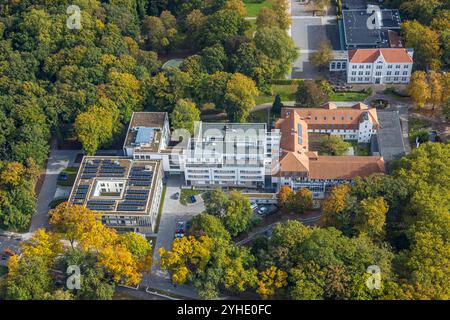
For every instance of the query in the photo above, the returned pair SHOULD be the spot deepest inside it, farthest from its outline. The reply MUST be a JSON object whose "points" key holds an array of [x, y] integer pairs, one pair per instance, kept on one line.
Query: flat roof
{"points": [[144, 131], [357, 32], [116, 185], [390, 137]]}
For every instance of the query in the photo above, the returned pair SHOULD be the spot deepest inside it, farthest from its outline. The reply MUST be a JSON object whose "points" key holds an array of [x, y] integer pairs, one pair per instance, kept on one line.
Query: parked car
{"points": [[62, 176], [192, 199], [176, 196], [180, 230], [254, 206], [263, 210]]}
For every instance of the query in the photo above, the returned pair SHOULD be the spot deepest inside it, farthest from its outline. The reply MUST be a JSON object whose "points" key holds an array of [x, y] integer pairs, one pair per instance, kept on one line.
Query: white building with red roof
{"points": [[379, 66]]}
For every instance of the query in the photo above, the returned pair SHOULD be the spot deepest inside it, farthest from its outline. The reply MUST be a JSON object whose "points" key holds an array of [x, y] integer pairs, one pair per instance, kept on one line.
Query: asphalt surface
{"points": [[57, 162], [173, 211]]}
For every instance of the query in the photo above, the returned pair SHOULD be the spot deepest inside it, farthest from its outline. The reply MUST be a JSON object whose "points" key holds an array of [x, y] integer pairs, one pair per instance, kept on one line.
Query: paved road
{"points": [[403, 109], [173, 211], [310, 221], [57, 162]]}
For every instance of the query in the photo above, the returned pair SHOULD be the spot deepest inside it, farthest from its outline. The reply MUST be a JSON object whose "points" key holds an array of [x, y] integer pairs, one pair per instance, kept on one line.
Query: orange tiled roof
{"points": [[345, 167], [391, 55], [289, 132], [338, 116]]}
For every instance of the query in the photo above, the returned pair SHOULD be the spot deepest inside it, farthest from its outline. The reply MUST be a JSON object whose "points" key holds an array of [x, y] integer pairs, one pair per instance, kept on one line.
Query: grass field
{"points": [[348, 96], [253, 7], [286, 92]]}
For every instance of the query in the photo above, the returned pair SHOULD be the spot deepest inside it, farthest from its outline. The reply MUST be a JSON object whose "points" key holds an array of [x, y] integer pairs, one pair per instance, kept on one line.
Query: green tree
{"points": [[184, 115], [221, 26], [214, 58], [276, 44], [334, 145], [240, 97], [95, 127], [238, 213]]}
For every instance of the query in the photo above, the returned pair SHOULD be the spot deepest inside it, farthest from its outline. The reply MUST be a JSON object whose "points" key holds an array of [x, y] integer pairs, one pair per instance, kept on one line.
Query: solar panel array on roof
{"points": [[144, 135], [102, 168]]}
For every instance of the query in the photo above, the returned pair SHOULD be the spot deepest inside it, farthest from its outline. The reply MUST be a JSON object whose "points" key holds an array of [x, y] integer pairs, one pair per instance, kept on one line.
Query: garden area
{"points": [[287, 93], [186, 194], [67, 177], [254, 6], [418, 128]]}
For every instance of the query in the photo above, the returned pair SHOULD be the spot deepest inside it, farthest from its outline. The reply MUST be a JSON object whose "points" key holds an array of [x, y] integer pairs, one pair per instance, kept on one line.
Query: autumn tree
{"points": [[283, 197], [335, 205], [270, 280], [418, 88], [324, 54], [267, 18], [425, 43], [184, 115], [236, 5], [310, 94], [280, 7], [186, 253], [301, 201], [371, 217]]}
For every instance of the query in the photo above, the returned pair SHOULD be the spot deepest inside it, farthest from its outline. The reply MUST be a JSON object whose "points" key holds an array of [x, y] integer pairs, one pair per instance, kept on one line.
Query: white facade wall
{"points": [[379, 72]]}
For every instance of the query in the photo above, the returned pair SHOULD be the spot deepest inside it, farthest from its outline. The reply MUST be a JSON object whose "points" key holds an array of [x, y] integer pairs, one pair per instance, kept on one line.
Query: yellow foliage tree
{"points": [[81, 225], [46, 245], [334, 205], [270, 280], [186, 251], [121, 263], [418, 89], [11, 173]]}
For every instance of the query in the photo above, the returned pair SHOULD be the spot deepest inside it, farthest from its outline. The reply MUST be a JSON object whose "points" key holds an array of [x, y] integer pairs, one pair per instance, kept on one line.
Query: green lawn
{"points": [[286, 92], [71, 176], [186, 193], [161, 205], [360, 149], [348, 96], [253, 7], [418, 128]]}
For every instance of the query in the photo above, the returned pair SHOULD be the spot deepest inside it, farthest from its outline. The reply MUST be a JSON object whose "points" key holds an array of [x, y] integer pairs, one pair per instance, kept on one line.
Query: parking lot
{"points": [[173, 211], [308, 32]]}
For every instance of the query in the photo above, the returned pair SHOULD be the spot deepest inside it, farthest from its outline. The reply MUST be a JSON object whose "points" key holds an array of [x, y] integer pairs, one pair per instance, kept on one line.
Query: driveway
{"points": [[173, 211], [403, 110], [57, 162]]}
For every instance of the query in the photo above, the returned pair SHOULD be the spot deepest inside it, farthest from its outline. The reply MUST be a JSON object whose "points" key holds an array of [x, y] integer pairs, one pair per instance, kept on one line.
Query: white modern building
{"points": [[380, 66], [126, 192], [217, 155], [231, 155]]}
